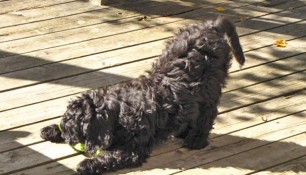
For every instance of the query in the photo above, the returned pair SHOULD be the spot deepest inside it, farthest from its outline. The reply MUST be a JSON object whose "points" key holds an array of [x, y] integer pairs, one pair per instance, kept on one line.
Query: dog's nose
{"points": [[45, 133]]}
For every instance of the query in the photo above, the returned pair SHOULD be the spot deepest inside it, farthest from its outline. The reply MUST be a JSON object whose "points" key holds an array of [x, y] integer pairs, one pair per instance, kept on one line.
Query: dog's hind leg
{"points": [[197, 137], [128, 155], [111, 161]]}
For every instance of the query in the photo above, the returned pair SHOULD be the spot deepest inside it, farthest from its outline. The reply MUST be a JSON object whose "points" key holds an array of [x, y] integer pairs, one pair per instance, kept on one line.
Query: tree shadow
{"points": [[21, 157], [157, 8], [224, 151], [49, 71], [235, 154], [8, 140]]}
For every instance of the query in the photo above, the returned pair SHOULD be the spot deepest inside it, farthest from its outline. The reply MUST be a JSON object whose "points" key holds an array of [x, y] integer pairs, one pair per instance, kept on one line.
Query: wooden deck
{"points": [[50, 51]]}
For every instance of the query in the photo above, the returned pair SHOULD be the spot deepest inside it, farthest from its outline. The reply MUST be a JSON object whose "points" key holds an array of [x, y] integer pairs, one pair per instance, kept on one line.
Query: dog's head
{"points": [[89, 119]]}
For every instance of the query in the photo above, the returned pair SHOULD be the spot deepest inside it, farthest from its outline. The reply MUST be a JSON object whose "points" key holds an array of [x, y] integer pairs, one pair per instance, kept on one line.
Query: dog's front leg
{"points": [[111, 161], [52, 133], [197, 137]]}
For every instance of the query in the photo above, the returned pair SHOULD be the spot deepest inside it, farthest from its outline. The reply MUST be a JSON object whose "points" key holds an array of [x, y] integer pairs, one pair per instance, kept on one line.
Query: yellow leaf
{"points": [[220, 9], [243, 18], [264, 118], [144, 18], [280, 43]]}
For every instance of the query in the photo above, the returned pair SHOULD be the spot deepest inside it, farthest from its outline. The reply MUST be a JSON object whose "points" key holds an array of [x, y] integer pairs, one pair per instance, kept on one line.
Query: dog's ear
{"points": [[51, 133], [99, 132], [99, 120]]}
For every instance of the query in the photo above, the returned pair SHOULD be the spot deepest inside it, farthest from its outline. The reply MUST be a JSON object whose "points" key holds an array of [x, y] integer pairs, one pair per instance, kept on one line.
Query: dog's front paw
{"points": [[86, 167], [51, 133], [195, 141]]}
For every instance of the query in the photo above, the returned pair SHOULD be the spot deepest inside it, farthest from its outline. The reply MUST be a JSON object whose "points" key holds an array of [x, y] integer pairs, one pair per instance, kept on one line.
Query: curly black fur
{"points": [[178, 97]]}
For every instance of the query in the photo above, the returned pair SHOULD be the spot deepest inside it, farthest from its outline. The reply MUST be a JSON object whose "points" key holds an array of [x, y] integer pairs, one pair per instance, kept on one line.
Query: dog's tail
{"points": [[226, 27]]}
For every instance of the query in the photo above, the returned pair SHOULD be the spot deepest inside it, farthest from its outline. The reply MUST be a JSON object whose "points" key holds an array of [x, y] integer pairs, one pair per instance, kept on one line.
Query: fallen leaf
{"points": [[264, 118], [144, 18], [220, 9], [243, 18], [280, 43]]}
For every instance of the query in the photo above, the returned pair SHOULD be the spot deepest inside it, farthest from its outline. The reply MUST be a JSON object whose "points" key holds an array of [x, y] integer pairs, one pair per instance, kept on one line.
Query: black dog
{"points": [[178, 97]]}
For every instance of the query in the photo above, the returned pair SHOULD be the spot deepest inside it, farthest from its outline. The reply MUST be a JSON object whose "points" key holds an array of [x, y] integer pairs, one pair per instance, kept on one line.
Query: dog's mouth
{"points": [[81, 147]]}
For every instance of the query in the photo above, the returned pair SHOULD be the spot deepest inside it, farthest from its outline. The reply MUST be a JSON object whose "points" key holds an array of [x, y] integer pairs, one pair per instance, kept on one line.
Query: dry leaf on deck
{"points": [[220, 9], [264, 118], [280, 43], [144, 18], [243, 18]]}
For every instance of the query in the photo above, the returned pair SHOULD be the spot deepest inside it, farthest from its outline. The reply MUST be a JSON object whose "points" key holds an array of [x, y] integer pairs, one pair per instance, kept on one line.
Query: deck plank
{"points": [[252, 160], [93, 46], [229, 101], [32, 155], [56, 11], [23, 136], [221, 146], [56, 107], [42, 74], [112, 15], [99, 31], [109, 76], [265, 33], [49, 72], [292, 167], [16, 5], [71, 67]]}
